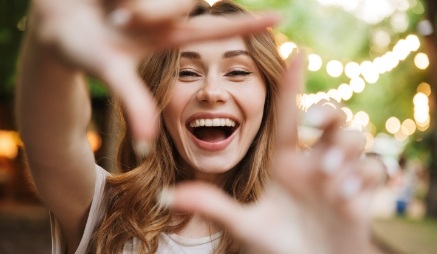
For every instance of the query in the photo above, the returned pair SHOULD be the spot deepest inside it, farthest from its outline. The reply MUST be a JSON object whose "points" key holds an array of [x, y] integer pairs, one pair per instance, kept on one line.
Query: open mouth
{"points": [[213, 130]]}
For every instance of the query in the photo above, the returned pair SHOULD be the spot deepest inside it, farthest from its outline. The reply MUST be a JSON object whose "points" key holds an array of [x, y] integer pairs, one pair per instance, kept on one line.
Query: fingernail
{"points": [[291, 57], [309, 135], [314, 117], [166, 197], [332, 160], [295, 54], [356, 127], [351, 186], [119, 17], [142, 148]]}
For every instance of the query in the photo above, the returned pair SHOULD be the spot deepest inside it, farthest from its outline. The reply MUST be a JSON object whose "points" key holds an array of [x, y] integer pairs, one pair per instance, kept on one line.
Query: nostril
{"points": [[212, 94]]}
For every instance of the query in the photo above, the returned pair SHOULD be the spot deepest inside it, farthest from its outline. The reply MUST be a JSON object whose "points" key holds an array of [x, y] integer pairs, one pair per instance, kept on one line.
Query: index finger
{"points": [[288, 111], [239, 24]]}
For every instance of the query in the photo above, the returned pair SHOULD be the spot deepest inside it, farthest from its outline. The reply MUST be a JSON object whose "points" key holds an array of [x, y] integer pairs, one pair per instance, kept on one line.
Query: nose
{"points": [[212, 92]]}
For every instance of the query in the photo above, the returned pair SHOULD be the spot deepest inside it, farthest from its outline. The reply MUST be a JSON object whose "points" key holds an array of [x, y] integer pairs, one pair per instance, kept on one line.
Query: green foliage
{"points": [[335, 34], [97, 88], [11, 26], [330, 32], [419, 148]]}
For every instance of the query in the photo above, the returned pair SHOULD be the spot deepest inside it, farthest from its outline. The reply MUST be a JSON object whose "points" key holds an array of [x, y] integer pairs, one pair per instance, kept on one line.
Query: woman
{"points": [[218, 102]]}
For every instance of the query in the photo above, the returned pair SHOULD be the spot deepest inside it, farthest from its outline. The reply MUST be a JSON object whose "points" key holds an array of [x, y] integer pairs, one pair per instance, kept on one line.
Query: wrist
{"points": [[41, 49]]}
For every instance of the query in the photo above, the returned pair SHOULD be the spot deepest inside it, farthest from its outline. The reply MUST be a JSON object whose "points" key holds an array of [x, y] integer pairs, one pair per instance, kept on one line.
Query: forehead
{"points": [[222, 45], [216, 46]]}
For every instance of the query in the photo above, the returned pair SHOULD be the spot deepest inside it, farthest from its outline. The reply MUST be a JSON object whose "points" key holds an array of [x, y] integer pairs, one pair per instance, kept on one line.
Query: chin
{"points": [[205, 171]]}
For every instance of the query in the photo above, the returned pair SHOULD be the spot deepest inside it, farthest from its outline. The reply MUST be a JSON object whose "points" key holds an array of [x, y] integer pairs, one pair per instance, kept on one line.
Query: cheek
{"points": [[169, 115], [254, 101], [172, 113], [177, 103]]}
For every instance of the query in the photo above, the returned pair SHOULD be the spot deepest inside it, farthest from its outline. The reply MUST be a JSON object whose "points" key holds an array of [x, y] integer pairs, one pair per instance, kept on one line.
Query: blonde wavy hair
{"points": [[132, 208]]}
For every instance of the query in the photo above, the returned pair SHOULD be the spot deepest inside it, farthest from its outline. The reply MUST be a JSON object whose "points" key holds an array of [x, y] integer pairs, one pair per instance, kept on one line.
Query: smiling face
{"points": [[217, 106]]}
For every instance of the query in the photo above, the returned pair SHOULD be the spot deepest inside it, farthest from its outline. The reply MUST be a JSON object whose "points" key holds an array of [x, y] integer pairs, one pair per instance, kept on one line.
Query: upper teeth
{"points": [[212, 122]]}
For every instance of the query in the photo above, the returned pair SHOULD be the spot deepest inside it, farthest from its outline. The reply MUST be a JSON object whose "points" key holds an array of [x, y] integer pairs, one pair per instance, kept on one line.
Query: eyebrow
{"points": [[190, 54], [227, 54], [234, 53]]}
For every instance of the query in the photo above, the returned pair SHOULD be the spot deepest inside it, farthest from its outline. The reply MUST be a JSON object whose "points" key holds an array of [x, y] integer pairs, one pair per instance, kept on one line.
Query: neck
{"points": [[198, 227]]}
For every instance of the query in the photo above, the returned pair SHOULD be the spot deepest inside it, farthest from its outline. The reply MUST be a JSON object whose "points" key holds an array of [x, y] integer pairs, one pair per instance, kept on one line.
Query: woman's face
{"points": [[217, 105]]}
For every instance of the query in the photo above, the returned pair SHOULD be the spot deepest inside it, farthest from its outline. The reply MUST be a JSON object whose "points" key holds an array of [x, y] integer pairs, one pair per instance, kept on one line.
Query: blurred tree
{"points": [[12, 27], [431, 144], [11, 31], [336, 34], [12, 24]]}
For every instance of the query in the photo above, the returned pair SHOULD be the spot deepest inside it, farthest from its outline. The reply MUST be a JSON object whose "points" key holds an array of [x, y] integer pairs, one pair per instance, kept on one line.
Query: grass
{"points": [[407, 236]]}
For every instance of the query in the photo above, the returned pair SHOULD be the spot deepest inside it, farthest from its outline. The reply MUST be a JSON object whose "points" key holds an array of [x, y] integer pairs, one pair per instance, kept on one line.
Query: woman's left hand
{"points": [[317, 201]]}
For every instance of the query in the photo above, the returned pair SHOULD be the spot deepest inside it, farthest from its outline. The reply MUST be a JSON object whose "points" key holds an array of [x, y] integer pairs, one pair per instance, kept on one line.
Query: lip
{"points": [[212, 146]]}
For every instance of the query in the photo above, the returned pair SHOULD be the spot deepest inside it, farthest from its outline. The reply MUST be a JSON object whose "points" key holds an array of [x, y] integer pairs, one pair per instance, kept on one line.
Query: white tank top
{"points": [[168, 243]]}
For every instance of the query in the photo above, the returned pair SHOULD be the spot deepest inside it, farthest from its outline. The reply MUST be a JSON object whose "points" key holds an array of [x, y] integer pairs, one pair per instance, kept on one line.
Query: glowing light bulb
{"points": [[334, 68], [392, 125], [345, 91], [315, 62], [424, 88], [357, 85], [286, 49], [352, 70], [421, 60], [408, 127], [413, 42], [362, 118]]}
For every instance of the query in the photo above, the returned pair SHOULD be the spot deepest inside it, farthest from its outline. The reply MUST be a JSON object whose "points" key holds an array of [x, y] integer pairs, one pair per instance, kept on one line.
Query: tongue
{"points": [[210, 134]]}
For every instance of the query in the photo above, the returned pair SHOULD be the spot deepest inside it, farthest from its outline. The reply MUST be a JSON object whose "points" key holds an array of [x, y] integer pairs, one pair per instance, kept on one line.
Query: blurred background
{"points": [[374, 59]]}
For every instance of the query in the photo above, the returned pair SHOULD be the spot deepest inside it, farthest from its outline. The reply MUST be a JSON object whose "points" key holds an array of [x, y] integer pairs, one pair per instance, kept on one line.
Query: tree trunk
{"points": [[431, 199], [431, 48]]}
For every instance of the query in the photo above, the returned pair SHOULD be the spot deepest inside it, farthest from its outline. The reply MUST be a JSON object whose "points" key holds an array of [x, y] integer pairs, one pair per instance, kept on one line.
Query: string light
{"points": [[334, 68], [315, 62], [94, 140], [9, 142], [367, 71], [212, 2], [372, 11], [357, 85], [421, 61], [345, 91], [362, 118], [349, 114], [352, 70], [286, 49], [424, 88], [393, 125], [421, 110], [408, 127]]}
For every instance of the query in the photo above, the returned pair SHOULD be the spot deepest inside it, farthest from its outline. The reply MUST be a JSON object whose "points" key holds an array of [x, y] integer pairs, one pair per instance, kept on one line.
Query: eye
{"points": [[188, 74], [236, 73]]}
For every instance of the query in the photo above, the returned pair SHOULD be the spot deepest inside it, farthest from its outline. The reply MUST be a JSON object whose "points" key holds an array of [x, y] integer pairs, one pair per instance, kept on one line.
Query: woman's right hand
{"points": [[108, 39]]}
